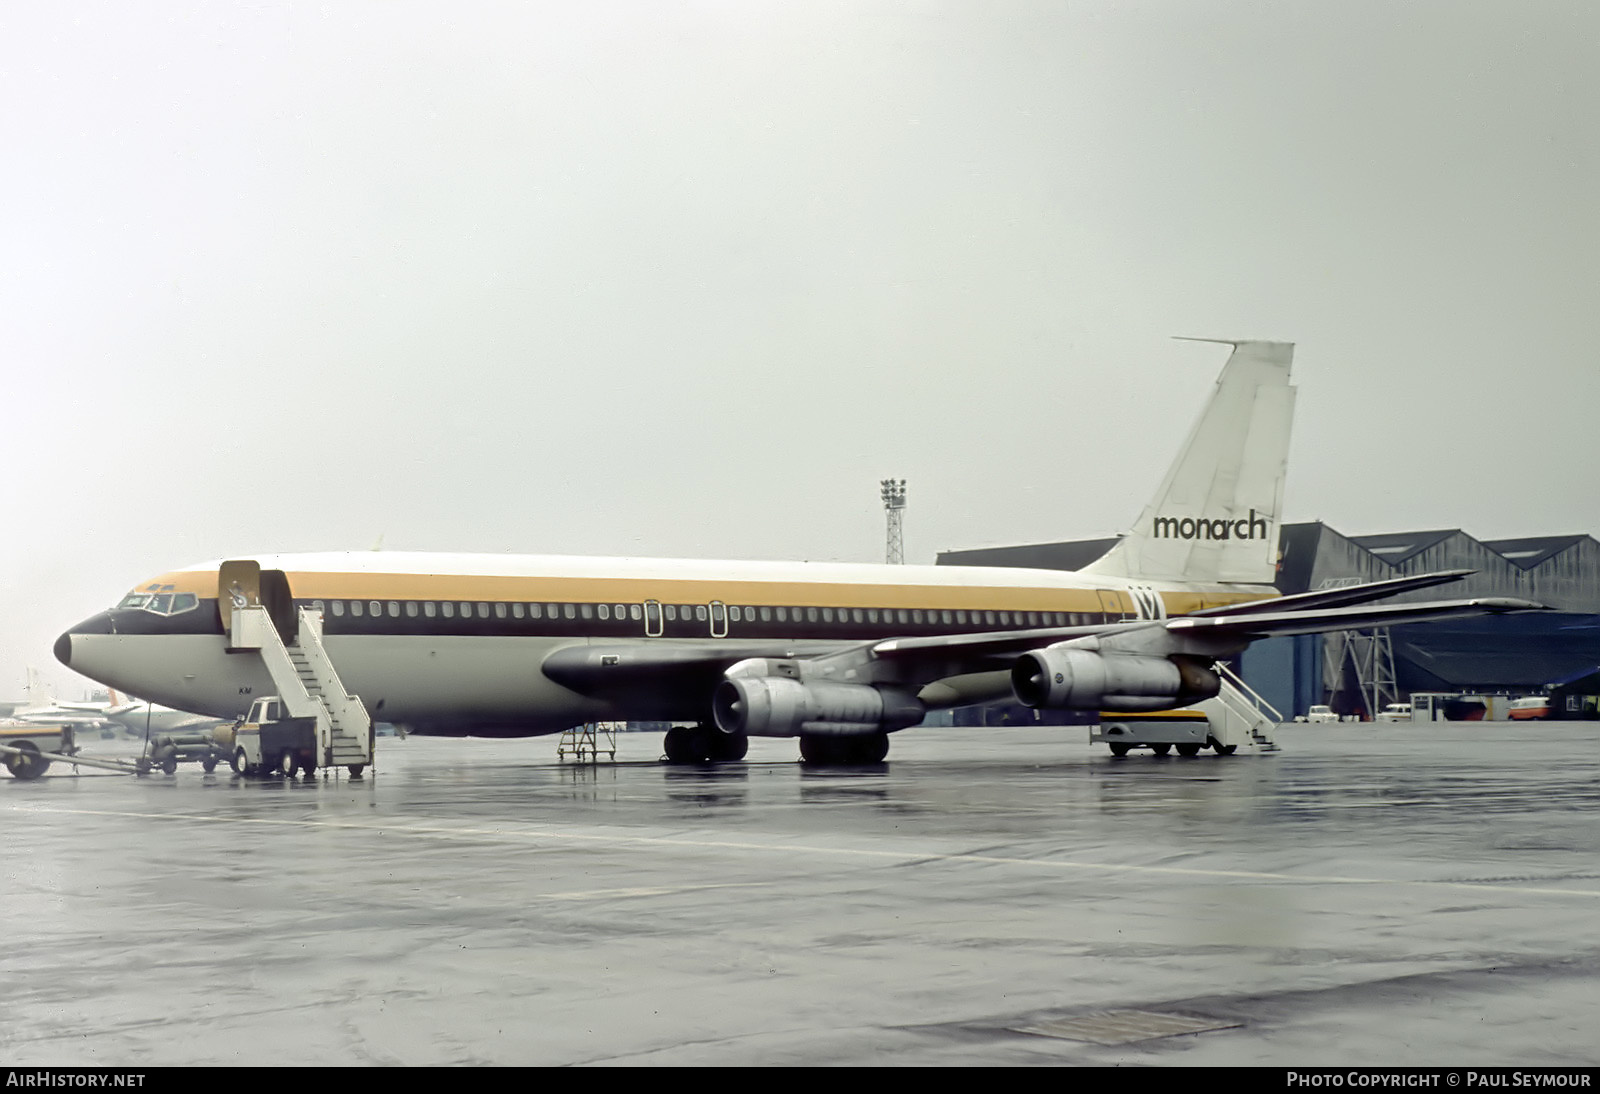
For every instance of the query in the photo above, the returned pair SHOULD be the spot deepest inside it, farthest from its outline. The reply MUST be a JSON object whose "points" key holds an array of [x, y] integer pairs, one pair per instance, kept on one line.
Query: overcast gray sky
{"points": [[688, 278]]}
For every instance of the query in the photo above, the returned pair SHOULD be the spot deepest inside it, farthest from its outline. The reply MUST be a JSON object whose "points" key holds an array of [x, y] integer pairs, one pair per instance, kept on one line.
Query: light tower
{"points": [[893, 492]]}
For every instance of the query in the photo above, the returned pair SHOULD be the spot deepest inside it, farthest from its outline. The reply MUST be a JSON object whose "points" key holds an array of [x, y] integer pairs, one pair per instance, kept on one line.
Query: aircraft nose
{"points": [[95, 624]]}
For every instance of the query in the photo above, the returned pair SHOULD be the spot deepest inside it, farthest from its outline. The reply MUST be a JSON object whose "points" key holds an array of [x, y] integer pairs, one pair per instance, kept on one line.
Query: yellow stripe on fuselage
{"points": [[328, 585]]}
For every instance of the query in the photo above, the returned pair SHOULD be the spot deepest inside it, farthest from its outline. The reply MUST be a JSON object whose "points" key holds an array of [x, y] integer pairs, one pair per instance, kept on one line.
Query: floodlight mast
{"points": [[893, 492]]}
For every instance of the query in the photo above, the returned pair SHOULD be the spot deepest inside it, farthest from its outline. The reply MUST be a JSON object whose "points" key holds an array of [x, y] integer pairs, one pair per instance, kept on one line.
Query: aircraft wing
{"points": [[954, 669], [643, 670], [1244, 625], [106, 710]]}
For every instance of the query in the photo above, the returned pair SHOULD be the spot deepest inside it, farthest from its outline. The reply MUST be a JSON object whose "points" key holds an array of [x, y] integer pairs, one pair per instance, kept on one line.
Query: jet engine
{"points": [[1071, 679], [772, 706]]}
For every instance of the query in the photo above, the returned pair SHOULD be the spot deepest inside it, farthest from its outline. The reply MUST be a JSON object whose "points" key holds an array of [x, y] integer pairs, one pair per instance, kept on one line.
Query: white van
{"points": [[1321, 712]]}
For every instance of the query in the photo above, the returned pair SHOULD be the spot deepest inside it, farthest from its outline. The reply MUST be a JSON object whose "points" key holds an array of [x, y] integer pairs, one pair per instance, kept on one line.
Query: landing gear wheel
{"points": [[688, 745], [1161, 749], [241, 763], [1225, 750], [289, 765], [860, 751], [169, 765], [818, 751], [1189, 750], [871, 749], [1119, 750], [728, 747], [27, 764], [356, 770], [209, 764]]}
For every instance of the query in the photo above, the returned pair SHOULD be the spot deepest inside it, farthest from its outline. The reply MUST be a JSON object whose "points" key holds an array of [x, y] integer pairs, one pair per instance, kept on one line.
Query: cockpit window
{"points": [[161, 603]]}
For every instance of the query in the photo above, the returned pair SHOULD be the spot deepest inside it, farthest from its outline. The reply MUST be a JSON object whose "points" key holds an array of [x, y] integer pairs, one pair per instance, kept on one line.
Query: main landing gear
{"points": [[853, 751], [704, 744]]}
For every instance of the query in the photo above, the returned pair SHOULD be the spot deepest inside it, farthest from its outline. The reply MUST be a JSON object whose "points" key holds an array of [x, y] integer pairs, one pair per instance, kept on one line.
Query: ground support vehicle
{"points": [[1236, 715], [291, 651], [266, 744], [1530, 708], [171, 749], [1187, 730], [28, 749]]}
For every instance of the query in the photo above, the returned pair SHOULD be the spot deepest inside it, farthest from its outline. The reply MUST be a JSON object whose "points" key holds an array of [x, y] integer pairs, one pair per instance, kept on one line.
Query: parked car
{"points": [[1319, 712], [1395, 712], [1530, 708]]}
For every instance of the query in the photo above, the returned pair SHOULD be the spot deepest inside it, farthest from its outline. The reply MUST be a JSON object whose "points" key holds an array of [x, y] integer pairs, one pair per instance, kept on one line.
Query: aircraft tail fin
{"points": [[40, 693], [1215, 517]]}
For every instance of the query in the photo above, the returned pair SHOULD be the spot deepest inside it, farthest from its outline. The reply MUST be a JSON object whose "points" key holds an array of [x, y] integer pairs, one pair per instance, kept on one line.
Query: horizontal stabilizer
{"points": [[1315, 621], [1341, 597]]}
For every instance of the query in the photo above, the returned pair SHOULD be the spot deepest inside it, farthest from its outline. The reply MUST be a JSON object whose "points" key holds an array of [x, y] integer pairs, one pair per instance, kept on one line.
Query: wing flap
{"points": [[630, 670]]}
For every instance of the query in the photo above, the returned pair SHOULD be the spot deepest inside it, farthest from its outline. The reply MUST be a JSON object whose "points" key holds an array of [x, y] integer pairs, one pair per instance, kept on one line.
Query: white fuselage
{"points": [[442, 640]]}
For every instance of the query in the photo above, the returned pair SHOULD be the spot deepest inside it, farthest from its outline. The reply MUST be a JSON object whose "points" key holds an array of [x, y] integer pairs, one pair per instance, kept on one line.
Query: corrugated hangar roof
{"points": [[1531, 551], [1396, 547]]}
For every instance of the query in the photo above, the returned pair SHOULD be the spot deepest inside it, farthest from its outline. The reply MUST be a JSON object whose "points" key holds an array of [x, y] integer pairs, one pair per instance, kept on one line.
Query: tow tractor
{"points": [[266, 743]]}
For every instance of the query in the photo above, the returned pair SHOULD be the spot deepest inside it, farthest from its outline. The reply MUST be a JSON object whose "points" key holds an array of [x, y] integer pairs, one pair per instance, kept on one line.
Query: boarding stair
{"points": [[307, 683], [1239, 713]]}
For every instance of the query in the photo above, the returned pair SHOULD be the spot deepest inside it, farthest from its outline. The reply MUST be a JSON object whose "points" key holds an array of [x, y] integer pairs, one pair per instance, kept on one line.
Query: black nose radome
{"points": [[100, 623]]}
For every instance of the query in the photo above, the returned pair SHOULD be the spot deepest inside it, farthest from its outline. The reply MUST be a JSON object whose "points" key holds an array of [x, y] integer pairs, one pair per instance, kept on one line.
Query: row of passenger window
{"points": [[467, 609], [912, 617]]}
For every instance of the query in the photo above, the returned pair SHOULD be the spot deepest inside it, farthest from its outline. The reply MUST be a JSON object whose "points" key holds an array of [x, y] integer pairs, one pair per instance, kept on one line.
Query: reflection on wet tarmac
{"points": [[479, 902]]}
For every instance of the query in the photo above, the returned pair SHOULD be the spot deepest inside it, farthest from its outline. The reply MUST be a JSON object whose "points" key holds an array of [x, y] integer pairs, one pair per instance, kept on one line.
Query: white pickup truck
{"points": [[265, 742]]}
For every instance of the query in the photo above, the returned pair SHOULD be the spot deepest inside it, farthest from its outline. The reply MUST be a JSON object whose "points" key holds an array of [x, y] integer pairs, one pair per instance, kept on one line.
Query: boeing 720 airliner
{"points": [[837, 655]]}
